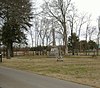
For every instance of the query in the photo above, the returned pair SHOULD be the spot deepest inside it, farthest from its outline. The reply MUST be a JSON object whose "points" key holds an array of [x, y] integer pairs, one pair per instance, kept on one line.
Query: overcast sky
{"points": [[86, 6], [89, 6]]}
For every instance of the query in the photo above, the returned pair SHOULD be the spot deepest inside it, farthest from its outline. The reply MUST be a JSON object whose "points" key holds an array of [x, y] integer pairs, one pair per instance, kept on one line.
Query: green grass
{"points": [[82, 70]]}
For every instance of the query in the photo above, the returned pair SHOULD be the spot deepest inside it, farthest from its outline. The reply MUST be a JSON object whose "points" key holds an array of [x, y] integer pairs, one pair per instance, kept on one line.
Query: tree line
{"points": [[59, 23], [55, 23]]}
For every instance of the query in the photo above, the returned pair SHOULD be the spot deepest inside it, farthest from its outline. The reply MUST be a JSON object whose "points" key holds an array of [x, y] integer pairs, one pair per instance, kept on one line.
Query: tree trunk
{"points": [[72, 39], [8, 52], [53, 33], [65, 39], [11, 50]]}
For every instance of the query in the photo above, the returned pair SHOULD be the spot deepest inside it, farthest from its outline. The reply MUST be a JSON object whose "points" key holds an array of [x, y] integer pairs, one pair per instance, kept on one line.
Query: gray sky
{"points": [[89, 6], [86, 6]]}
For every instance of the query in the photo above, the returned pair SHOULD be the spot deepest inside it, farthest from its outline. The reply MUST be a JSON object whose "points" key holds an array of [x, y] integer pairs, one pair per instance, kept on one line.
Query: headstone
{"points": [[56, 53]]}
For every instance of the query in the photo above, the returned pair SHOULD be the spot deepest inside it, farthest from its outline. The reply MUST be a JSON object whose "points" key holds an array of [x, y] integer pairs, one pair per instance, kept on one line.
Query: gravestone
{"points": [[56, 52]]}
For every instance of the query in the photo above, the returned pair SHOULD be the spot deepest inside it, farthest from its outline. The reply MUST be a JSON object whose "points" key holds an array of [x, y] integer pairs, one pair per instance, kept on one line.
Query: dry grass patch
{"points": [[81, 70]]}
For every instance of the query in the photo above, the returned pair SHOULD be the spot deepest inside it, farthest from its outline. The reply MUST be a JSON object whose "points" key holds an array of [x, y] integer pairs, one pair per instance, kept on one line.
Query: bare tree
{"points": [[36, 25], [31, 35], [53, 33], [81, 21], [58, 9], [91, 32], [98, 36], [80, 25], [72, 20], [43, 29], [87, 29]]}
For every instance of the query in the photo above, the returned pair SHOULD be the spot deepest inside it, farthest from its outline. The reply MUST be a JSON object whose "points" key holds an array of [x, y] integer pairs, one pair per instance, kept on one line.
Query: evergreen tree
{"points": [[73, 43], [92, 45], [17, 15]]}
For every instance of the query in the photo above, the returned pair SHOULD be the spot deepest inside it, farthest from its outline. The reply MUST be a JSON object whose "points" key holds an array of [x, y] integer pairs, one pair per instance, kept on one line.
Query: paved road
{"points": [[11, 78]]}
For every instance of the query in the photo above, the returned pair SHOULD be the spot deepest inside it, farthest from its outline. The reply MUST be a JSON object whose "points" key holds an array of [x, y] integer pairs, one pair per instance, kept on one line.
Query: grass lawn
{"points": [[82, 70]]}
